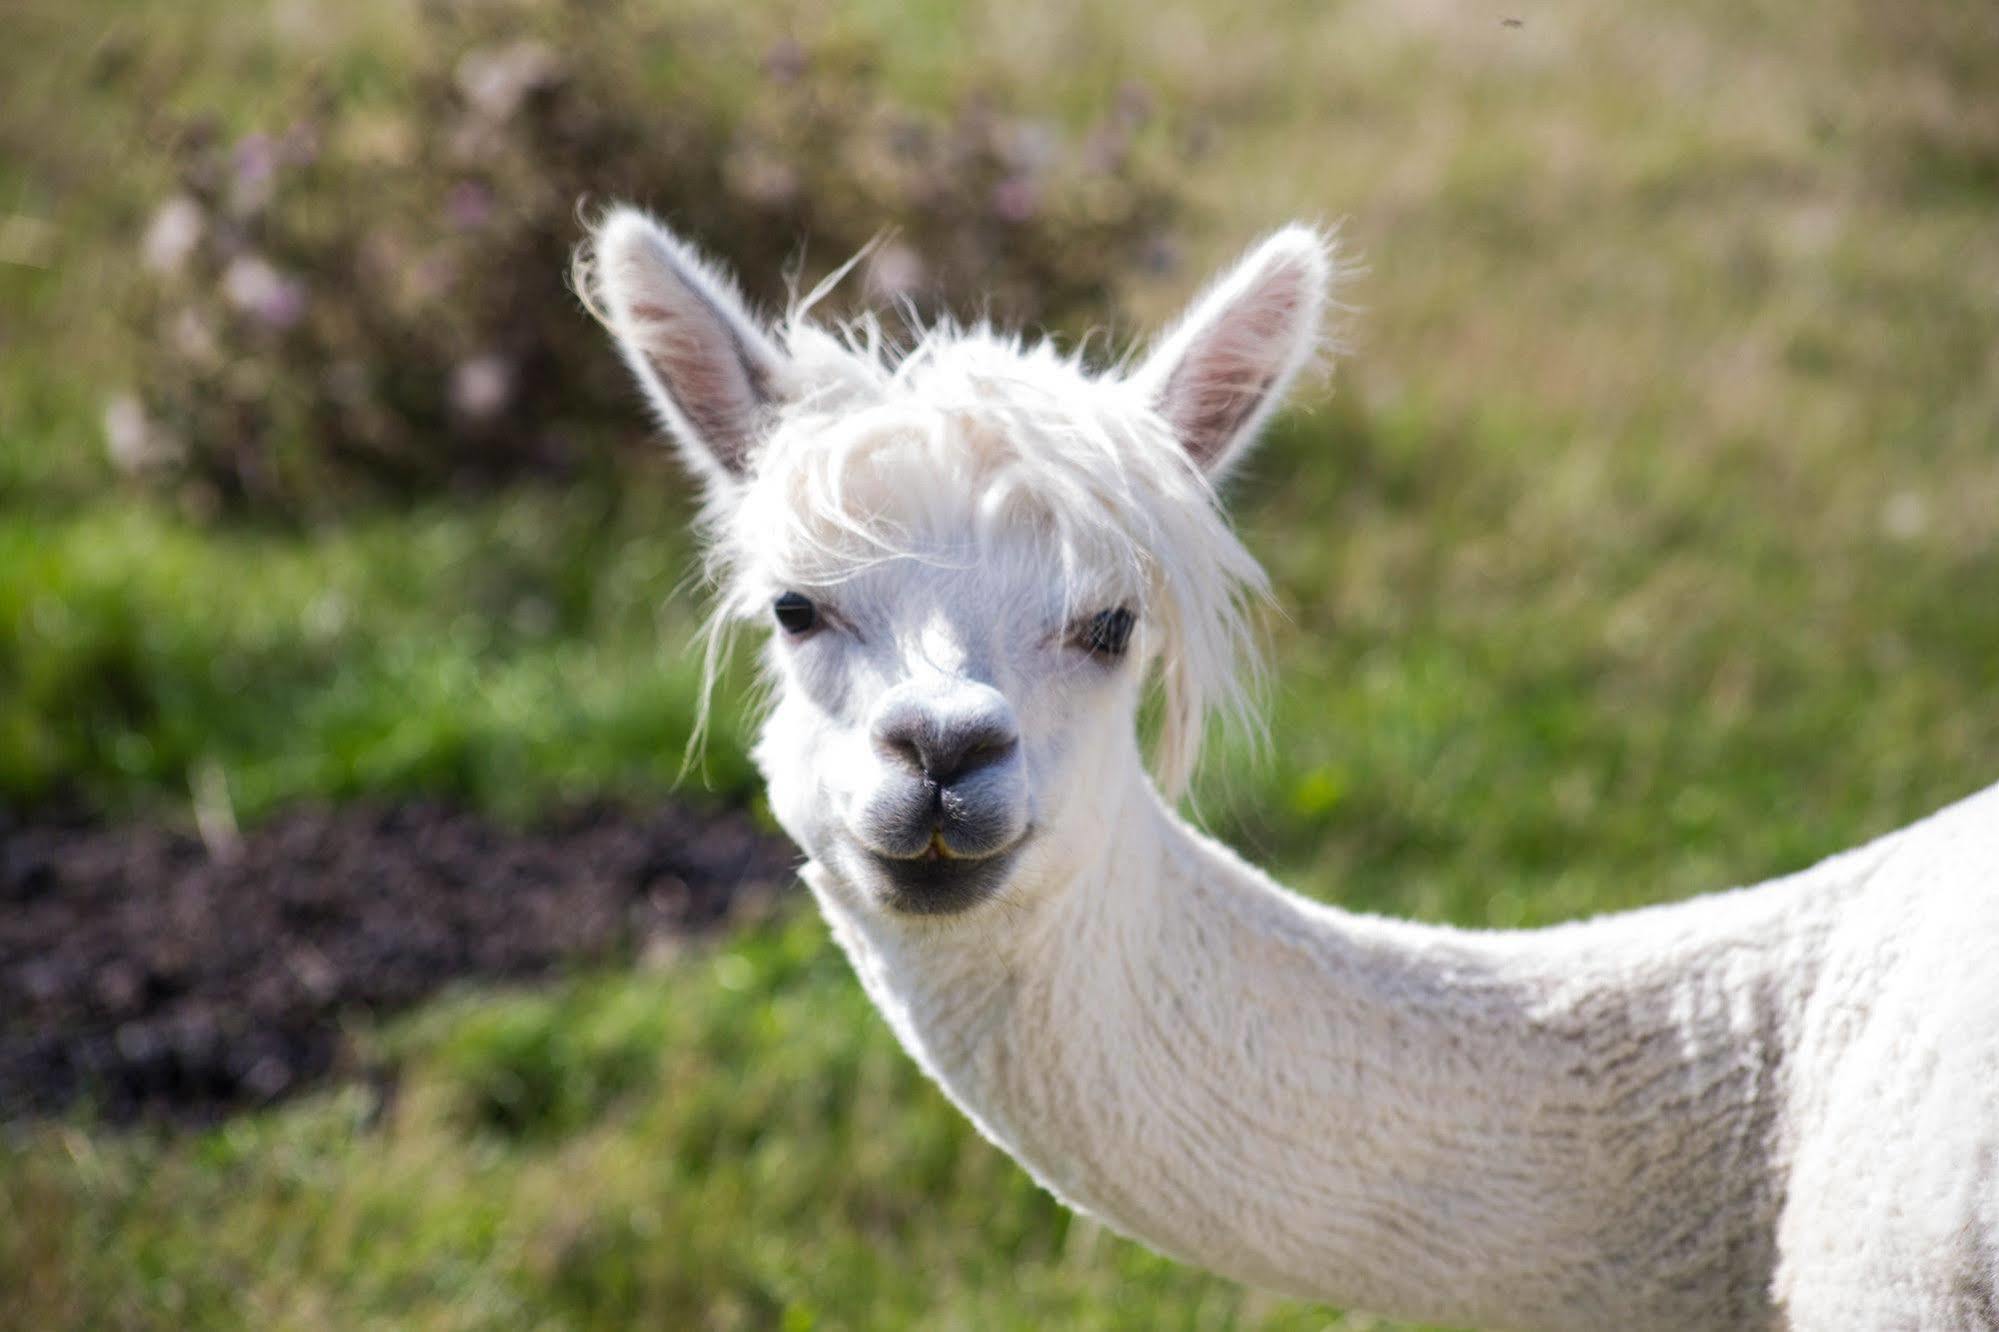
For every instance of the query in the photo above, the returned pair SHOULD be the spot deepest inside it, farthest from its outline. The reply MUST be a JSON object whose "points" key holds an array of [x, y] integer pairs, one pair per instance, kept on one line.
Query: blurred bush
{"points": [[368, 301]]}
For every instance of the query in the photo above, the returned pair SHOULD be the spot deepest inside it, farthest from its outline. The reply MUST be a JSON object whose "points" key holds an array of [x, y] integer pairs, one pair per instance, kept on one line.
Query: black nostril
{"points": [[945, 754], [944, 766], [903, 749]]}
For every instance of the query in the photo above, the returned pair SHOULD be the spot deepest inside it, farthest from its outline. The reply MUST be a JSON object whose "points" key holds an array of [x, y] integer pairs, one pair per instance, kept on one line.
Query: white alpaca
{"points": [[1774, 1107]]}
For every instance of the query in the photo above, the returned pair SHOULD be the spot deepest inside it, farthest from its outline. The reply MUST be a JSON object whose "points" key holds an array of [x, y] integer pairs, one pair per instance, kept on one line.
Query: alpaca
{"points": [[1774, 1107]]}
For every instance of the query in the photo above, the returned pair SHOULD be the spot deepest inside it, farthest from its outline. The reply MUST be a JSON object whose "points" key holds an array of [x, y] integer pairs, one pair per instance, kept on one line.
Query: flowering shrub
{"points": [[370, 302]]}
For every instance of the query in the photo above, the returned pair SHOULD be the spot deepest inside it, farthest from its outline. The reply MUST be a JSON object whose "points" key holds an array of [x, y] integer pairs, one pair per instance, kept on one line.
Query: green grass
{"points": [[1647, 547], [731, 1141], [510, 652]]}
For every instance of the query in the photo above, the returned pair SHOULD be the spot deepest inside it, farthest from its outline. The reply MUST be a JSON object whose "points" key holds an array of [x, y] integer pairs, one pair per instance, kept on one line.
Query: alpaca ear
{"points": [[711, 372], [1220, 372]]}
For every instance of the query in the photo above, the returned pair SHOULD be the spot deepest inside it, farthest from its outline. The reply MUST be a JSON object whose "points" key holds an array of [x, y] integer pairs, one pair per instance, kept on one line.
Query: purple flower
{"points": [[469, 205], [253, 286], [1016, 199], [481, 387], [253, 173], [895, 270], [255, 157], [172, 235]]}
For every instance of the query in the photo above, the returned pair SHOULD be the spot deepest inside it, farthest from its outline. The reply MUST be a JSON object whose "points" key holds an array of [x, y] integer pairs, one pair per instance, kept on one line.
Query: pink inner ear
{"points": [[706, 373], [1230, 371]]}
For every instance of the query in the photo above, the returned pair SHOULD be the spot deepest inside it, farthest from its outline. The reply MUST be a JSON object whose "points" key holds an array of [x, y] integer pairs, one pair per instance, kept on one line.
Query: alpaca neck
{"points": [[1568, 1127]]}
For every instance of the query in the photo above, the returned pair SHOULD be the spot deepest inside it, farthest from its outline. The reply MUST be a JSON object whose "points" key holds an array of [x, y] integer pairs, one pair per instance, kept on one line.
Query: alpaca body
{"points": [[1669, 1118], [1776, 1107]]}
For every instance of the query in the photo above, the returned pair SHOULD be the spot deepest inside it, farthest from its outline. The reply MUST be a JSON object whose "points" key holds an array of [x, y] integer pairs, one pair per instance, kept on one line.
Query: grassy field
{"points": [[1646, 546]]}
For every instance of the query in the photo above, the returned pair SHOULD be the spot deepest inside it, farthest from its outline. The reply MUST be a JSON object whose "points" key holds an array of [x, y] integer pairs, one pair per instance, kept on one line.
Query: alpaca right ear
{"points": [[711, 372]]}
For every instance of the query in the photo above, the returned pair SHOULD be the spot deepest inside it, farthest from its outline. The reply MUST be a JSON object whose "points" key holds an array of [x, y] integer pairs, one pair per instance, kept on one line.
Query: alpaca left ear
{"points": [[710, 370], [1220, 372]]}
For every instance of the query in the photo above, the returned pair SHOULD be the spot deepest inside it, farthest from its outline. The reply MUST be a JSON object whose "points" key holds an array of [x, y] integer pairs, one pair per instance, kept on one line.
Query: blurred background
{"points": [[366, 958]]}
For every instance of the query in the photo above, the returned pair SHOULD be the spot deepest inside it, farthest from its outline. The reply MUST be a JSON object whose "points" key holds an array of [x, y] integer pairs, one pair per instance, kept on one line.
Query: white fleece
{"points": [[1773, 1107]]}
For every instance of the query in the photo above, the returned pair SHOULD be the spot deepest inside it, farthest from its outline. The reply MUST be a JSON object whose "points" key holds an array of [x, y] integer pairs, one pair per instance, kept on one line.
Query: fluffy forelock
{"points": [[883, 452]]}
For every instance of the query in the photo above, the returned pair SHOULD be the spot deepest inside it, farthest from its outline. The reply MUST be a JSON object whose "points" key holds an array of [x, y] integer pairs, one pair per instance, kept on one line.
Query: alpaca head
{"points": [[970, 555]]}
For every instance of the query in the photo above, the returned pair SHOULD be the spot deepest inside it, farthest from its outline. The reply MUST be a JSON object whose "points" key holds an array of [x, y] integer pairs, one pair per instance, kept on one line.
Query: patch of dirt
{"points": [[153, 979]]}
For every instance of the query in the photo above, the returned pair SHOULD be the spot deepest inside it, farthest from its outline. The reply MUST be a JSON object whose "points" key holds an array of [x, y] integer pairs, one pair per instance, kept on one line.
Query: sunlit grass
{"points": [[513, 653]]}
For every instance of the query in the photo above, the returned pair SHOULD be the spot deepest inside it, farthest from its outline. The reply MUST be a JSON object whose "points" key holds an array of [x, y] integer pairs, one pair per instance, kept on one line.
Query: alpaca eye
{"points": [[1107, 633], [795, 613]]}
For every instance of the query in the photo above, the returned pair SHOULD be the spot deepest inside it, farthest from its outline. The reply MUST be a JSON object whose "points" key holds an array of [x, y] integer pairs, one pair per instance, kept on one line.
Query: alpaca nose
{"points": [[947, 738]]}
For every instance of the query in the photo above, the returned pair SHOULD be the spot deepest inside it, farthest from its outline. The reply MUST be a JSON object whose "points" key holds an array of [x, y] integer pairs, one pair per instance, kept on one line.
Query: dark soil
{"points": [[150, 978]]}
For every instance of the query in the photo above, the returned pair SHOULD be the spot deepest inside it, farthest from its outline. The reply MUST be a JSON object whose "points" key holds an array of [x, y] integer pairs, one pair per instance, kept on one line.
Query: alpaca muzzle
{"points": [[949, 802]]}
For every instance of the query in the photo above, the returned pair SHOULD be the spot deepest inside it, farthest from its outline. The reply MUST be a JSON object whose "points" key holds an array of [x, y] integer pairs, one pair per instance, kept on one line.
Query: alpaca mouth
{"points": [[938, 881]]}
